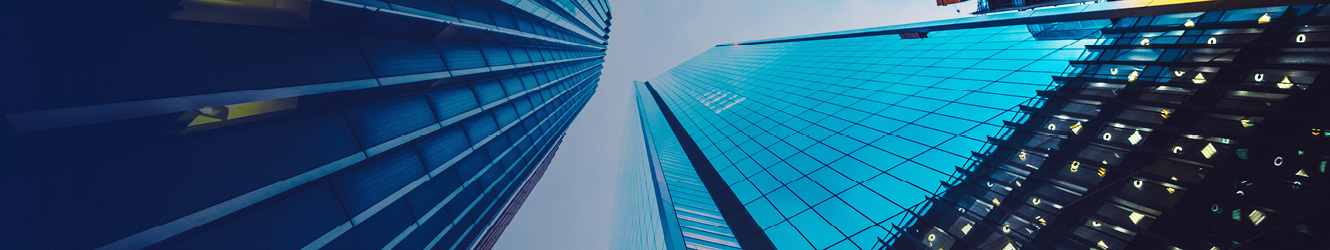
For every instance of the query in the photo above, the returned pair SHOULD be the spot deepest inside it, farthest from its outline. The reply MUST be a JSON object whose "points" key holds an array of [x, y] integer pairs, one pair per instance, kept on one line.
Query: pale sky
{"points": [[573, 205]]}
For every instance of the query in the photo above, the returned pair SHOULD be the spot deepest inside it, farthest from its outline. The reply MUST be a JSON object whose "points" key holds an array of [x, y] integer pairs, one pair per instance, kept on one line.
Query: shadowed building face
{"points": [[285, 124]]}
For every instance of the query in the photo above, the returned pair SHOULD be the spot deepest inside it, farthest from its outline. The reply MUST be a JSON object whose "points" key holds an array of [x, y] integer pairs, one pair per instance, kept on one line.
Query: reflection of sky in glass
{"points": [[838, 135]]}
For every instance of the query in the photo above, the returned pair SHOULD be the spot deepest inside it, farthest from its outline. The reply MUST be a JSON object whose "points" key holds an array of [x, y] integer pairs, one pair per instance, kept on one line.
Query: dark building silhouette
{"points": [[284, 124]]}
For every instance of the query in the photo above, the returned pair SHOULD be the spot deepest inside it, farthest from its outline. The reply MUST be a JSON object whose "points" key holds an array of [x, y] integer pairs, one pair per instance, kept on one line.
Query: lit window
{"points": [[1145, 41], [966, 229], [1258, 77], [1006, 228], [209, 115], [1199, 79], [1138, 183], [1285, 84], [1075, 165], [1034, 201], [1113, 71], [1179, 73], [996, 202], [1076, 128], [1177, 149], [1170, 189], [1135, 137], [1136, 217], [1264, 18], [1132, 77], [1108, 136], [1165, 113], [932, 237], [1189, 23], [1256, 217], [1212, 40], [1302, 172], [1247, 123], [1021, 155], [1209, 150], [1009, 247], [1302, 38], [1095, 223], [1102, 245], [1102, 172], [1052, 127]]}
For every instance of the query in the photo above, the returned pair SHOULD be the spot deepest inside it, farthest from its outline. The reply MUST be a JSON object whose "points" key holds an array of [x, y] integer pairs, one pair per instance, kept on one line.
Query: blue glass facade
{"points": [[638, 221], [844, 140], [356, 124], [665, 184], [806, 132]]}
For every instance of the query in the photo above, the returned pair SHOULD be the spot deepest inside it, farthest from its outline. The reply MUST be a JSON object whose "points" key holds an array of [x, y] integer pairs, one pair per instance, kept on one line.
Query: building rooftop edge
{"points": [[1116, 9]]}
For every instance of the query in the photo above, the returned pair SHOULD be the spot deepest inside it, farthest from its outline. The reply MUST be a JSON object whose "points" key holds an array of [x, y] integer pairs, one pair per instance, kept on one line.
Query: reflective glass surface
{"points": [[829, 143]]}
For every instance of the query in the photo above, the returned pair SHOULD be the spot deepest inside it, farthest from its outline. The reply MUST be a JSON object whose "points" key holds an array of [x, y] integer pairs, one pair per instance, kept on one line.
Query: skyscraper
{"points": [[285, 124], [869, 138], [1189, 130]]}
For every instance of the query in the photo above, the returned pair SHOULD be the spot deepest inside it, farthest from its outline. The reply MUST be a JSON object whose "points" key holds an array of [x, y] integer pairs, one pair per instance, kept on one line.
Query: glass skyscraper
{"points": [[870, 138], [286, 124]]}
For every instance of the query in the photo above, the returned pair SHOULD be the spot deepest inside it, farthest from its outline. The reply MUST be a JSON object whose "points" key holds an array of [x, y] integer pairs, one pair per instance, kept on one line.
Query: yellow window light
{"points": [[1247, 123], [1138, 183], [1302, 172], [1189, 23], [1113, 71], [1209, 150], [1034, 201], [1302, 38], [1076, 128], [1199, 79], [1285, 84], [1132, 77], [966, 229], [996, 202], [1009, 247], [1075, 165], [1256, 217], [1135, 137], [932, 237], [1021, 155], [1177, 149], [1265, 18], [1096, 223], [1179, 73], [1165, 113], [1102, 172], [1145, 41], [1108, 136], [1212, 40], [1136, 217], [1102, 245], [1258, 77], [1170, 189]]}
